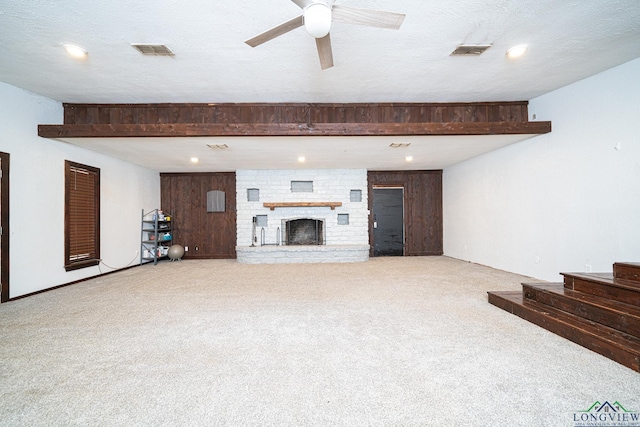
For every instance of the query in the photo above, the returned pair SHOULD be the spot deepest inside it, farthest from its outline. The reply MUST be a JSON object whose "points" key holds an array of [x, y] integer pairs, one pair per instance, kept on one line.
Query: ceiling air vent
{"points": [[153, 49], [470, 49], [218, 146]]}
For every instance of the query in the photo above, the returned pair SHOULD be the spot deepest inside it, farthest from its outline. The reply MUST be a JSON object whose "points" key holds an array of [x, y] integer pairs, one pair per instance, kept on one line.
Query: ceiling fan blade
{"points": [[271, 34], [324, 52], [302, 3], [369, 17]]}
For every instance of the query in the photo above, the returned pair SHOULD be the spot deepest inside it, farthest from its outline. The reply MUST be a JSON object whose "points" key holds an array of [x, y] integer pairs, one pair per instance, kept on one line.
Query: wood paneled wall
{"points": [[231, 113], [422, 208], [207, 234], [214, 234]]}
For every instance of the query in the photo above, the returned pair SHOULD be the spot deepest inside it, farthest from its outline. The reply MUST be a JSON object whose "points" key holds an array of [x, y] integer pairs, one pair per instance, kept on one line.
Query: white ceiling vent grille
{"points": [[153, 49], [470, 49], [218, 146]]}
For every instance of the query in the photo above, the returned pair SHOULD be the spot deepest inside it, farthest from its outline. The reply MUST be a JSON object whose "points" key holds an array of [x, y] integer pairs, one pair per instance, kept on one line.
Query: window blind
{"points": [[82, 219]]}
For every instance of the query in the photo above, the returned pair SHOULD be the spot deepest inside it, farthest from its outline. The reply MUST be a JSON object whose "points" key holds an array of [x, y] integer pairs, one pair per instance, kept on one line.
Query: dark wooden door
{"points": [[388, 222]]}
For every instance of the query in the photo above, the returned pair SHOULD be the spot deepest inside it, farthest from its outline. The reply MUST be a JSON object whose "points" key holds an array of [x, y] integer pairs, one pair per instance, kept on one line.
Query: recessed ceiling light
{"points": [[517, 51], [75, 51], [301, 159], [409, 158], [195, 160]]}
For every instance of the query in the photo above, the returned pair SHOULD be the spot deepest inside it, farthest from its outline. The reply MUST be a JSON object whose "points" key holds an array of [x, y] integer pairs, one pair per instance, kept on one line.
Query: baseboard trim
{"points": [[223, 256], [70, 283]]}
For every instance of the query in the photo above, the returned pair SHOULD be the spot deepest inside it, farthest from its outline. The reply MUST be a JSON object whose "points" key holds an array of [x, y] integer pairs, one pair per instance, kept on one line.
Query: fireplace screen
{"points": [[304, 232]]}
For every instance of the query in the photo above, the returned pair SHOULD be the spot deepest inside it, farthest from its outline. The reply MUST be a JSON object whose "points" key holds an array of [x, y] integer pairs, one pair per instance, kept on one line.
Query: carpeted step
{"points": [[603, 285], [621, 316], [616, 345]]}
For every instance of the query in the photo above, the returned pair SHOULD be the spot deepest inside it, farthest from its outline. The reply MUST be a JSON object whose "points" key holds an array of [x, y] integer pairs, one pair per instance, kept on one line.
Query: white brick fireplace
{"points": [[335, 199]]}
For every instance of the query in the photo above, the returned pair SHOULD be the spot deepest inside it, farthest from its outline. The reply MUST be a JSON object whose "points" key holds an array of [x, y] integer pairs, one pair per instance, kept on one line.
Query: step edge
{"points": [[630, 343], [589, 300], [624, 355], [615, 282]]}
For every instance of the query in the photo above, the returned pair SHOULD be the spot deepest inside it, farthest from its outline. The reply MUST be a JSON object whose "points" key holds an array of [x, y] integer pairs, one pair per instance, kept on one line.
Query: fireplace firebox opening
{"points": [[304, 231]]}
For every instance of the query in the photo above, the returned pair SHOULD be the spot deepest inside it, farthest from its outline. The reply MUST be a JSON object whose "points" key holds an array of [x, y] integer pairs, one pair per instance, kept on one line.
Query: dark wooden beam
{"points": [[122, 114], [292, 129]]}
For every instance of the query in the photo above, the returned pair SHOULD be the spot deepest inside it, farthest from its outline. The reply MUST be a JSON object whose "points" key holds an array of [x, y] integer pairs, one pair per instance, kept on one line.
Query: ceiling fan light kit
{"points": [[317, 18]]}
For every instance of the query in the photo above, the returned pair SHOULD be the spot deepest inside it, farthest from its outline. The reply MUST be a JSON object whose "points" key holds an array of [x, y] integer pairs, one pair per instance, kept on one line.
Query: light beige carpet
{"points": [[393, 341]]}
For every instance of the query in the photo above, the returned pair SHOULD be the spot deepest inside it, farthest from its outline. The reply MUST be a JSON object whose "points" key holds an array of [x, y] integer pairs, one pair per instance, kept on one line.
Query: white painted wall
{"points": [[560, 201], [37, 196], [329, 185]]}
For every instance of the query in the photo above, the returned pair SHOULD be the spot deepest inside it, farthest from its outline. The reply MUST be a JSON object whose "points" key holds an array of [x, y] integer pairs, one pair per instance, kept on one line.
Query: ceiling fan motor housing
{"points": [[317, 19]]}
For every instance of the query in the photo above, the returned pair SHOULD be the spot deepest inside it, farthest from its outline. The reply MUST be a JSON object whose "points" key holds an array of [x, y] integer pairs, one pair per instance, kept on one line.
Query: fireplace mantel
{"points": [[274, 205]]}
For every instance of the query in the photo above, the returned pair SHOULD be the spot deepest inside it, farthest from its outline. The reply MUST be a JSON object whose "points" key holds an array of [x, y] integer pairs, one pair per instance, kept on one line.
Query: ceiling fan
{"points": [[317, 17]]}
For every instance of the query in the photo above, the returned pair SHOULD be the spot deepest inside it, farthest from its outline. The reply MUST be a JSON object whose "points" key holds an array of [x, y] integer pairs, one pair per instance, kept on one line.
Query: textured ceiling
{"points": [[174, 154], [568, 41]]}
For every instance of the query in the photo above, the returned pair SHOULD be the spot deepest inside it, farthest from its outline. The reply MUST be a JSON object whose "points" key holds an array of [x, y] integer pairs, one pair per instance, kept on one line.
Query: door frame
{"points": [[4, 223], [388, 186]]}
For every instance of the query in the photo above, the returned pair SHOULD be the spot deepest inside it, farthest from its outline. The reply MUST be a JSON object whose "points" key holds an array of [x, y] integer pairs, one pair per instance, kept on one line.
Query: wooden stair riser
{"points": [[500, 302], [574, 333], [627, 272], [605, 290], [619, 320], [597, 344]]}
